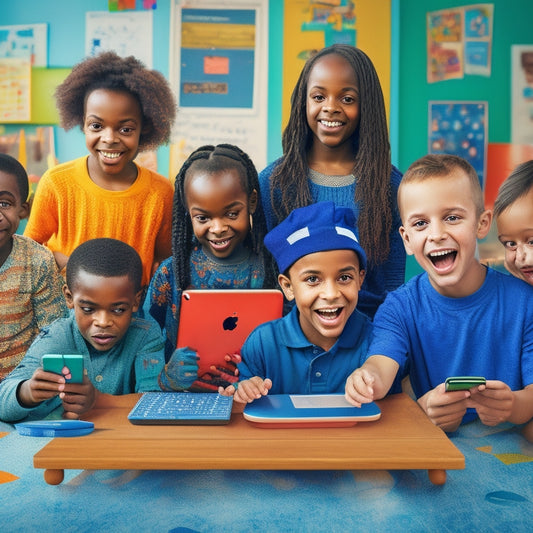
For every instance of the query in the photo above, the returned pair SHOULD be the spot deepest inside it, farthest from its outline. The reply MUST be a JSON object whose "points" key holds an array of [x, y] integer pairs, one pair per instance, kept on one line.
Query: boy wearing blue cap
{"points": [[314, 348]]}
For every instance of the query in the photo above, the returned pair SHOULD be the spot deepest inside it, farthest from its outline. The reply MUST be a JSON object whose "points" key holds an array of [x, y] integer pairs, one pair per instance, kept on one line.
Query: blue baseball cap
{"points": [[315, 228]]}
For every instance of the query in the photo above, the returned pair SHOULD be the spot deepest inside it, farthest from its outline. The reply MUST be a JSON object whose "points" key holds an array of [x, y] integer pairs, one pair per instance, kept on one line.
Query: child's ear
{"points": [[24, 211], [483, 224], [286, 286], [405, 239], [252, 202], [137, 301], [68, 297]]}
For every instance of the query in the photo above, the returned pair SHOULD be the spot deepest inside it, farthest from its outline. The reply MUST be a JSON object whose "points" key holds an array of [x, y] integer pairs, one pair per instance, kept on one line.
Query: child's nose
{"points": [[330, 290], [102, 319], [108, 135], [218, 226], [437, 231]]}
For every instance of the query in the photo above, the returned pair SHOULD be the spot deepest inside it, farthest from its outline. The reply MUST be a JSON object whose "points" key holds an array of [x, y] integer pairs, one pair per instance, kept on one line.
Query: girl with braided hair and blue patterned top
{"points": [[218, 227]]}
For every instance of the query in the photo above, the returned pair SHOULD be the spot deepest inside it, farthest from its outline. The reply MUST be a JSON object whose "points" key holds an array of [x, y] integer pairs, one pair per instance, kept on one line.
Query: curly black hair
{"points": [[107, 258], [372, 164], [110, 71], [215, 159]]}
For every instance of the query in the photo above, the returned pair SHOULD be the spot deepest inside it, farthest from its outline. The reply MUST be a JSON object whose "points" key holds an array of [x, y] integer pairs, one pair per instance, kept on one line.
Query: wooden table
{"points": [[403, 439]]}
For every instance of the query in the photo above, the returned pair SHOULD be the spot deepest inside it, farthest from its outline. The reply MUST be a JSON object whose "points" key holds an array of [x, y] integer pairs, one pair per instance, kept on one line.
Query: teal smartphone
{"points": [[463, 382], [69, 365]]}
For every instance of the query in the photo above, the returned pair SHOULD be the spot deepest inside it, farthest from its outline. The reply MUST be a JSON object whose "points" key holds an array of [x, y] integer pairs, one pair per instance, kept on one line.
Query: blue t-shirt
{"points": [[488, 333], [280, 351]]}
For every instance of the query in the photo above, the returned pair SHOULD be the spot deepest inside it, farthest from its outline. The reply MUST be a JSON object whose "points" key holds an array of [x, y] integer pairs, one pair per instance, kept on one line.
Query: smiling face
{"points": [[103, 307], [332, 102], [219, 209], [325, 286], [515, 232], [12, 209], [112, 128], [440, 228]]}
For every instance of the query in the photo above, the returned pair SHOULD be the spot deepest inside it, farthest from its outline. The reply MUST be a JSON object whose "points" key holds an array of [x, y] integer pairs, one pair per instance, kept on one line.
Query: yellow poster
{"points": [[309, 26]]}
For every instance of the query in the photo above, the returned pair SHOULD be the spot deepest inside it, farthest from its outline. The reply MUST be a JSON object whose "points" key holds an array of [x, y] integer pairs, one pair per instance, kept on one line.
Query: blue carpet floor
{"points": [[493, 494]]}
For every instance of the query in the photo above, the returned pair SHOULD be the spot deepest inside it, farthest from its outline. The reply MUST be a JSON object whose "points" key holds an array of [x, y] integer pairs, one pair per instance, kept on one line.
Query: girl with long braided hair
{"points": [[218, 227], [336, 148]]}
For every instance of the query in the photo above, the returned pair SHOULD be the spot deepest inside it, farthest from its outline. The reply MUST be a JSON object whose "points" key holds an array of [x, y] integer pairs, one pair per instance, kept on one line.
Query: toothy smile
{"points": [[329, 313], [110, 155], [329, 124], [442, 256]]}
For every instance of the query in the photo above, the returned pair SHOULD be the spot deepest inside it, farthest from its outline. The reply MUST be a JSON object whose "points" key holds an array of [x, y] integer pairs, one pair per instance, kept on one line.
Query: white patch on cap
{"points": [[346, 232], [298, 235]]}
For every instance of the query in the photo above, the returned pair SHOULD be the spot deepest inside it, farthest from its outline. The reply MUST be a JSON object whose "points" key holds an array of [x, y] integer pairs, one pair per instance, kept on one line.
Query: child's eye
{"points": [[94, 126], [201, 218], [119, 311], [530, 242], [233, 215], [87, 310], [313, 280], [345, 278], [317, 97], [452, 218], [349, 100], [4, 204], [126, 130], [509, 245], [419, 224]]}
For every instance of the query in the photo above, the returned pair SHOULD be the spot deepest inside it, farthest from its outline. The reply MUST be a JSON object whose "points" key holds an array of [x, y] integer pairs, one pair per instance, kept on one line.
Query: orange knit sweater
{"points": [[69, 209]]}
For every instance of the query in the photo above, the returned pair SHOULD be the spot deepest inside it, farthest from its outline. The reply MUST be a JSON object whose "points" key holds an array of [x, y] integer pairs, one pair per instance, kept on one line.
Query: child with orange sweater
{"points": [[122, 108]]}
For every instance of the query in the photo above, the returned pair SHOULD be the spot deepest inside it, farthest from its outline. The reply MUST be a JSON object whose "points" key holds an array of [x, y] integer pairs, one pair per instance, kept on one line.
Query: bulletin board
{"points": [[219, 72]]}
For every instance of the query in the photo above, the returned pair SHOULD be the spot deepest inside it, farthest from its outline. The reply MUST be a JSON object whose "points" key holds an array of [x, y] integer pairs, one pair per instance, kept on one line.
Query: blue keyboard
{"points": [[181, 408]]}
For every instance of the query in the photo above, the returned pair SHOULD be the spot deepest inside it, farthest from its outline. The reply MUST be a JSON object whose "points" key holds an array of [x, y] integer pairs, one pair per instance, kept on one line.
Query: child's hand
{"points": [[40, 387], [78, 398], [181, 371], [248, 390], [359, 387], [493, 402], [445, 409]]}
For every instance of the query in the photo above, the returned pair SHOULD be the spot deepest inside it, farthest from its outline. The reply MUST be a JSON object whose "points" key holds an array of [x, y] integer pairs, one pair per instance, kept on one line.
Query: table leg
{"points": [[54, 476], [437, 477]]}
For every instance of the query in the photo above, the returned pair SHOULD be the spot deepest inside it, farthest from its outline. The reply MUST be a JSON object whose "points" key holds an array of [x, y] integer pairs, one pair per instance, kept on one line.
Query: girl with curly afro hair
{"points": [[122, 108]]}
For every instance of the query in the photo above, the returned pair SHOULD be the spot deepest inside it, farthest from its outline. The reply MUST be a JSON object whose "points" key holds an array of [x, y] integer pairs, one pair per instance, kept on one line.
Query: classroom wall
{"points": [[512, 25]]}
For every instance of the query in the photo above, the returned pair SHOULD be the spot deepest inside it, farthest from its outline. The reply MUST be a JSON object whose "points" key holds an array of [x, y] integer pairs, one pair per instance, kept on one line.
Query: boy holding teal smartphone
{"points": [[121, 354]]}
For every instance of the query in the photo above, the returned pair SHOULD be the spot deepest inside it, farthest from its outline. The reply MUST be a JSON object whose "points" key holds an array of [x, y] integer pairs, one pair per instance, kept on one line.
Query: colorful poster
{"points": [[15, 81], [219, 71], [478, 39], [460, 128], [217, 58], [128, 33], [522, 94], [25, 41], [310, 26], [459, 42], [445, 45]]}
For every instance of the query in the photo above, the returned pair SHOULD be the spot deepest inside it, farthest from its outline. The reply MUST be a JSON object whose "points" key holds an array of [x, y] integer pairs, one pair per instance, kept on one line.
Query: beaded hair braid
{"points": [[289, 187], [215, 159]]}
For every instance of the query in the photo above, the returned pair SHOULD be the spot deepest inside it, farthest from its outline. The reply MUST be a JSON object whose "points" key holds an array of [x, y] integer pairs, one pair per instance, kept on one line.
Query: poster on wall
{"points": [[15, 84], [460, 128], [128, 33], [27, 41], [310, 26], [219, 71], [522, 94], [459, 42]]}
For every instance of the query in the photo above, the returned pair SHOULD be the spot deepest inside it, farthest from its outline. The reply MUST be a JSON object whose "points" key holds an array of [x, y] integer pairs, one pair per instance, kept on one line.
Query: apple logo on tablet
{"points": [[230, 322]]}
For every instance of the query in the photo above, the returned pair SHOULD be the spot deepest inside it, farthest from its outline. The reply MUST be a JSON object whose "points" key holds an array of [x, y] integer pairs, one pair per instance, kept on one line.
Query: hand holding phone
{"points": [[463, 382], [70, 366]]}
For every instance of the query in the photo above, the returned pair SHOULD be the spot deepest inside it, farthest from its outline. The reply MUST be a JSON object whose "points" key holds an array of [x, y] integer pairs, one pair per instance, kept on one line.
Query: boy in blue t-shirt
{"points": [[458, 318], [314, 348], [121, 354]]}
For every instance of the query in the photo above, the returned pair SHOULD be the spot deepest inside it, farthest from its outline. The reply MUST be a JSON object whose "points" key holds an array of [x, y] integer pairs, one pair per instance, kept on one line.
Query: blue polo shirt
{"points": [[280, 351]]}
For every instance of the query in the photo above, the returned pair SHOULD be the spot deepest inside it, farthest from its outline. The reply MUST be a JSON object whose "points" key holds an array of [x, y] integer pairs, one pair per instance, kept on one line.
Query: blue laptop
{"points": [[308, 410]]}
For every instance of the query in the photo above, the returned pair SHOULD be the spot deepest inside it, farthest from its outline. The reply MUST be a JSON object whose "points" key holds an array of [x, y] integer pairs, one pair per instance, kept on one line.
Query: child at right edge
{"points": [[459, 317]]}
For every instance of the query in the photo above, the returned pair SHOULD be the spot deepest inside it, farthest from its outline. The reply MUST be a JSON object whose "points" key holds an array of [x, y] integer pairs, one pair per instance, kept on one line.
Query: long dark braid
{"points": [[215, 159], [289, 187]]}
